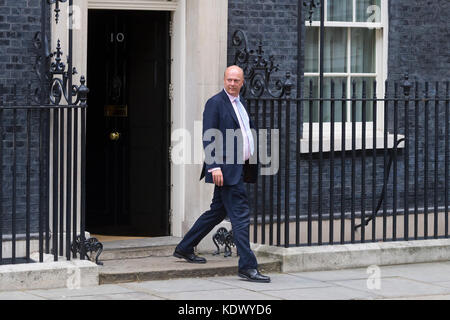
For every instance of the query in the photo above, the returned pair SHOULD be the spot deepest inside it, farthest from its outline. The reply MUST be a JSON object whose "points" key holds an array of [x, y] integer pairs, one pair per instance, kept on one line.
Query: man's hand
{"points": [[217, 177]]}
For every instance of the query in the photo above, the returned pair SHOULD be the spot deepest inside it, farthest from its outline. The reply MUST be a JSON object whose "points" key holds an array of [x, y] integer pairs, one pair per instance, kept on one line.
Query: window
{"points": [[355, 47]]}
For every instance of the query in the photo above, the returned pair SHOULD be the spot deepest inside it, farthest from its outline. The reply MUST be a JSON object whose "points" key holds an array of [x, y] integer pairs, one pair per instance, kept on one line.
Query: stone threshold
{"points": [[165, 268]]}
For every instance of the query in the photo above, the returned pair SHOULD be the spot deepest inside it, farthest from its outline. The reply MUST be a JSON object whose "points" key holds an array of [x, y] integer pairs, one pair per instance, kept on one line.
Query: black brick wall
{"points": [[418, 43], [19, 22], [419, 39], [419, 35], [274, 23]]}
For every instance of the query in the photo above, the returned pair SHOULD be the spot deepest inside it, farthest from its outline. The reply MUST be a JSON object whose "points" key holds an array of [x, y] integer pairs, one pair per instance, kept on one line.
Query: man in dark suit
{"points": [[229, 145]]}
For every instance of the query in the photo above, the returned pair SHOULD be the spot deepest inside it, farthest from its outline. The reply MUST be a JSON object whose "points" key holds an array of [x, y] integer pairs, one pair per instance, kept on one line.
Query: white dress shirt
{"points": [[246, 143]]}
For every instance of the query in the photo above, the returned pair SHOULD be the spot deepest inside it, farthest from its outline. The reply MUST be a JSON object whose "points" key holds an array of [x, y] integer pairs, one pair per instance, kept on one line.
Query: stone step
{"points": [[164, 268], [138, 248]]}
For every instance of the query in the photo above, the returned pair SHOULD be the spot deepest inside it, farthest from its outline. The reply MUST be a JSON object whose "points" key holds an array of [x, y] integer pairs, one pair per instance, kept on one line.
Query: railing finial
{"points": [[82, 92], [312, 5], [287, 86], [258, 70], [406, 85]]}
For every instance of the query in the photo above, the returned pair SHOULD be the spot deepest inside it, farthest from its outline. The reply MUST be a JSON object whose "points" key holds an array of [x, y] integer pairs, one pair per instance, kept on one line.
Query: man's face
{"points": [[233, 81]]}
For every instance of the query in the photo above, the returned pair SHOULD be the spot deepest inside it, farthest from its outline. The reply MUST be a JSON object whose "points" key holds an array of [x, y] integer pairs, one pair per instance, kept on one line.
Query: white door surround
{"points": [[199, 55]]}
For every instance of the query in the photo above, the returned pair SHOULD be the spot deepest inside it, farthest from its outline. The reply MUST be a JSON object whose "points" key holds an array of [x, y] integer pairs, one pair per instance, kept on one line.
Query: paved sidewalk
{"points": [[413, 281]]}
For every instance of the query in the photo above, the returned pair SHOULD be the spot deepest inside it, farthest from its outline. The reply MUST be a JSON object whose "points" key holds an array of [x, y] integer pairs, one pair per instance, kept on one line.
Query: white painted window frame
{"points": [[382, 29]]}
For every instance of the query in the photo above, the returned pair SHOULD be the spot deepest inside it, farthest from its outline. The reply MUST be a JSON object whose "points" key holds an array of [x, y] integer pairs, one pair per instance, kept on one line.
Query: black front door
{"points": [[127, 172]]}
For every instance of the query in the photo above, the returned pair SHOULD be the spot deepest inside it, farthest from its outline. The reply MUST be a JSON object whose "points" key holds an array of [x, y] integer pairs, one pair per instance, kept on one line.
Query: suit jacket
{"points": [[219, 114]]}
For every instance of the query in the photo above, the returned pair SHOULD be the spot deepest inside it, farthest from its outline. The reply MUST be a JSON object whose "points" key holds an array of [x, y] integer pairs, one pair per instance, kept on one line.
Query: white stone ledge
{"points": [[49, 275], [334, 257], [326, 144]]}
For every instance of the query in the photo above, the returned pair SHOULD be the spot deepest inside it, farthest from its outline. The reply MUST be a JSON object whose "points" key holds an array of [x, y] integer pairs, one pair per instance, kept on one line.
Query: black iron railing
{"points": [[351, 168], [372, 185], [42, 155], [39, 162]]}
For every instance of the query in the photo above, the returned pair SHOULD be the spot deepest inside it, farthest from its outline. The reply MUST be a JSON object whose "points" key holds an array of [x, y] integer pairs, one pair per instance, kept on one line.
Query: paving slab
{"points": [[117, 296], [344, 274], [432, 297], [177, 285], [80, 292], [426, 272], [278, 282], [224, 295], [396, 287], [19, 295], [444, 284], [322, 293]]}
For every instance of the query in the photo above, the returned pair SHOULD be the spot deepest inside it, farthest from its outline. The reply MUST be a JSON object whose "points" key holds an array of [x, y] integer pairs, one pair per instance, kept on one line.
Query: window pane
{"points": [[316, 13], [340, 10], [369, 95], [335, 50], [312, 49], [368, 11], [363, 50], [326, 104]]}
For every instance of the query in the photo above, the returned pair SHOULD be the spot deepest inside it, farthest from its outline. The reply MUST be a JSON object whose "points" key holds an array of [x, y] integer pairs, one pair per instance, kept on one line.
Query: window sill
{"points": [[326, 146]]}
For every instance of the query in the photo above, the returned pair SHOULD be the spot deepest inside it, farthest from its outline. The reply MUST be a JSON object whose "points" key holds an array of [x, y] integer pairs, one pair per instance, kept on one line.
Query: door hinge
{"points": [[170, 91], [170, 155], [171, 27]]}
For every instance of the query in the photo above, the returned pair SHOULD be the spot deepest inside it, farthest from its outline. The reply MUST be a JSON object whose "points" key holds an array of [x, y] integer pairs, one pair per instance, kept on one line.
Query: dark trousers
{"points": [[231, 201]]}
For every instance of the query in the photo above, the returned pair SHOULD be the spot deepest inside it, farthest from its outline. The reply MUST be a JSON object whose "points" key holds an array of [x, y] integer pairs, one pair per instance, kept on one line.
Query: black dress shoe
{"points": [[253, 275], [189, 257]]}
